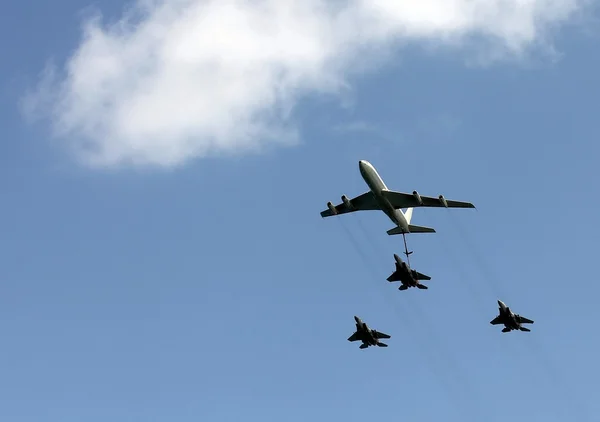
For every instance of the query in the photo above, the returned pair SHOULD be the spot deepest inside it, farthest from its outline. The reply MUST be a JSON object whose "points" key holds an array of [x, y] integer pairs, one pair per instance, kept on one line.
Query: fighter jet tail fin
{"points": [[505, 330], [380, 344], [403, 287], [422, 287], [412, 229], [363, 346], [524, 329], [408, 215]]}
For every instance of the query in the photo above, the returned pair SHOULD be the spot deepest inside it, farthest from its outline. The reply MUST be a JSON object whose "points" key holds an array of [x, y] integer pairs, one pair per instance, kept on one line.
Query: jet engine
{"points": [[347, 202], [331, 208], [443, 201], [418, 197]]}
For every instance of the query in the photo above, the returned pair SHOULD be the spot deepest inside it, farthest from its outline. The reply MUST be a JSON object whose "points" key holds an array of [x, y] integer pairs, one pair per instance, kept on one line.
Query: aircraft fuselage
{"points": [[406, 274], [376, 185], [508, 317], [367, 336]]}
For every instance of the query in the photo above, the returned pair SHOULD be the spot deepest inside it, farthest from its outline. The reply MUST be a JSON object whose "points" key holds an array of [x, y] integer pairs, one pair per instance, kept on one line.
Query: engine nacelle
{"points": [[332, 208], [347, 202], [443, 201], [418, 197]]}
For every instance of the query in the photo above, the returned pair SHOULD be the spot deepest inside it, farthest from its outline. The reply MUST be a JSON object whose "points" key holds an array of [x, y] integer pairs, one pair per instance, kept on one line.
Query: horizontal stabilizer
{"points": [[412, 228], [505, 330], [380, 344], [363, 346], [420, 229], [403, 287], [524, 329], [422, 287]]}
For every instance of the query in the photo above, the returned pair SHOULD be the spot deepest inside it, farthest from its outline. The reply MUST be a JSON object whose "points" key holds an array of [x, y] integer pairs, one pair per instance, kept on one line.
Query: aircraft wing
{"points": [[395, 276], [354, 337], [422, 276], [523, 320], [363, 202], [407, 200], [497, 320], [378, 334]]}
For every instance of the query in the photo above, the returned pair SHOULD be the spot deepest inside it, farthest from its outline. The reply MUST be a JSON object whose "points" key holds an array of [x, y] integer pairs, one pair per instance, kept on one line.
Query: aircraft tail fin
{"points": [[380, 344], [408, 214], [363, 346], [524, 329], [412, 229], [403, 287], [422, 286], [505, 330]]}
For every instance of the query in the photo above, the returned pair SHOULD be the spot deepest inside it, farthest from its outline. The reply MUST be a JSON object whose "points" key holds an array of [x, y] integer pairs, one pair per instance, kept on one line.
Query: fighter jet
{"points": [[368, 336], [408, 276], [510, 320], [379, 197]]}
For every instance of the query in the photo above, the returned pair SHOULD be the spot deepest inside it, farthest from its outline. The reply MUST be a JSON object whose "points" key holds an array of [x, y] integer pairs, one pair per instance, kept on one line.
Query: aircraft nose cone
{"points": [[357, 319], [501, 304]]}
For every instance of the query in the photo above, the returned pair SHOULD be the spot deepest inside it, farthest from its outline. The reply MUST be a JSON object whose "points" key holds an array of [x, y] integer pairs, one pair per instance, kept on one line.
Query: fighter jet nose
{"points": [[500, 303], [357, 319]]}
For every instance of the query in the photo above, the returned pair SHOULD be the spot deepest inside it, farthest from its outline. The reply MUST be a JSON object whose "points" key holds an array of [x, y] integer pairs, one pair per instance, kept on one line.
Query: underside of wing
{"points": [[496, 321], [394, 277], [523, 320], [379, 334], [354, 337], [363, 202], [421, 276], [407, 200]]}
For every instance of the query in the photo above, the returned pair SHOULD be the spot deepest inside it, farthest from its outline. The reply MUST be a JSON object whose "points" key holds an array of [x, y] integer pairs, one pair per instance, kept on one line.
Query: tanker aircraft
{"points": [[379, 197]]}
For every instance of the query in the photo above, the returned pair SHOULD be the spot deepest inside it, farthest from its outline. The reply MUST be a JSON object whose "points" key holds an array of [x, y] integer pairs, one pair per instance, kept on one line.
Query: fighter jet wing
{"points": [[395, 276], [422, 276], [354, 337], [378, 334], [407, 200], [523, 320], [363, 202], [497, 320]]}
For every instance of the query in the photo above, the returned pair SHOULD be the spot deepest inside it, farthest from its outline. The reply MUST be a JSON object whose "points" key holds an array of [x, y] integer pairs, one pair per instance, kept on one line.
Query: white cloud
{"points": [[181, 79]]}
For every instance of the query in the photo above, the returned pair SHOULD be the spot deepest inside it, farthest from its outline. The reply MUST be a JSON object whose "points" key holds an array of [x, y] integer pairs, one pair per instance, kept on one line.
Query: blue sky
{"points": [[197, 284]]}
